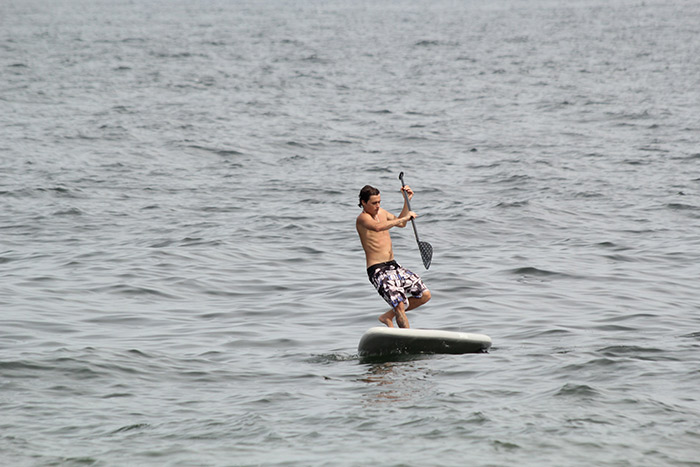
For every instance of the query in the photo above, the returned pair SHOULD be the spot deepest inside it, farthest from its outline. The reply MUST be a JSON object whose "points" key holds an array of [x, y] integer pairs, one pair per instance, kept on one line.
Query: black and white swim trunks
{"points": [[395, 283]]}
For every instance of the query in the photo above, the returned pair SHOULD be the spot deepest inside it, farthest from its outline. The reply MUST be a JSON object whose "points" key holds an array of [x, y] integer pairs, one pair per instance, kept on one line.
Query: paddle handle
{"points": [[403, 184], [408, 205]]}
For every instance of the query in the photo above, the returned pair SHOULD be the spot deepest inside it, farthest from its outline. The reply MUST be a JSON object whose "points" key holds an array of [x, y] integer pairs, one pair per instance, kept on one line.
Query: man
{"points": [[393, 282]]}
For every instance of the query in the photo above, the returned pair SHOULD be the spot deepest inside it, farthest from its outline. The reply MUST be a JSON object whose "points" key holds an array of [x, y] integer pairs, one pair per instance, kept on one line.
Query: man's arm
{"points": [[405, 209], [390, 220]]}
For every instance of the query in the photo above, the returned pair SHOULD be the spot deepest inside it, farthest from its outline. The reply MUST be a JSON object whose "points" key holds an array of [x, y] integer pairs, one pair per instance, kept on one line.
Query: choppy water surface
{"points": [[181, 278]]}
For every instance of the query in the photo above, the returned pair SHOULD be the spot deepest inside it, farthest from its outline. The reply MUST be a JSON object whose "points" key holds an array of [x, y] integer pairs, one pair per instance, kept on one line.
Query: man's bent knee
{"points": [[422, 300]]}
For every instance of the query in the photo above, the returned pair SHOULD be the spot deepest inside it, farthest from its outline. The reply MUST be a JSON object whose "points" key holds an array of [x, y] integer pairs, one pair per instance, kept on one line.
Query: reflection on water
{"points": [[404, 381]]}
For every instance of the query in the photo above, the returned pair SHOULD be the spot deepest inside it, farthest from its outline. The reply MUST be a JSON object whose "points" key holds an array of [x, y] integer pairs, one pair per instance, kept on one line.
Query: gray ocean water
{"points": [[181, 280]]}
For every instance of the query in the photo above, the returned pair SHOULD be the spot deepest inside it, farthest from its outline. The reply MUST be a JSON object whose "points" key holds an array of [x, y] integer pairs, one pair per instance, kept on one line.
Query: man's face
{"points": [[371, 206]]}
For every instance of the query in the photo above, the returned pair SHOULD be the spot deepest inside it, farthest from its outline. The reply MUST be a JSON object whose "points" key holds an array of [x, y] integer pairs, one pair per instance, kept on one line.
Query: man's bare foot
{"points": [[387, 318]]}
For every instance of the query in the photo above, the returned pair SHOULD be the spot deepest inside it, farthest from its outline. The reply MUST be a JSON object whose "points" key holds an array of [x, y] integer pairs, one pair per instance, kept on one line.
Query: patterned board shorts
{"points": [[395, 283]]}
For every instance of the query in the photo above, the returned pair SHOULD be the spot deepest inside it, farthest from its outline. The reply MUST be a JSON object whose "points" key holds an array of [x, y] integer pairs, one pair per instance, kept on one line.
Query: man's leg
{"points": [[388, 318], [414, 302], [400, 314]]}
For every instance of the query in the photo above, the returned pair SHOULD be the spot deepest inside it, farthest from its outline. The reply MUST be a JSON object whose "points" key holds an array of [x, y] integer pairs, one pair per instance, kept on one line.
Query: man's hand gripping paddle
{"points": [[426, 250]]}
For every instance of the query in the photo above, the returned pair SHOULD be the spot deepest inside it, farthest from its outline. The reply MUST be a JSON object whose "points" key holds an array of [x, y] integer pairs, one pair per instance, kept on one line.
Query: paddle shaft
{"points": [[425, 248], [408, 205]]}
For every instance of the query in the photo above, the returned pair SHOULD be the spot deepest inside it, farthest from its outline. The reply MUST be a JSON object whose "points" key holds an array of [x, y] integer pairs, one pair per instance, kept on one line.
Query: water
{"points": [[182, 283]]}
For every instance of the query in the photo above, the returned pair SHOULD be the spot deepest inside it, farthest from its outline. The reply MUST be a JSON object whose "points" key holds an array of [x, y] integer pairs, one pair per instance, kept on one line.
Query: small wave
{"points": [[291, 42], [135, 291], [636, 352], [629, 115], [310, 250], [414, 138], [380, 169], [21, 365], [293, 159], [218, 151], [223, 209], [117, 395], [515, 179], [588, 195], [134, 427], [69, 212], [60, 191], [615, 328], [332, 358], [533, 271], [419, 114], [512, 204], [177, 55], [198, 241], [636, 162], [314, 58], [499, 445], [577, 390], [7, 259], [682, 207], [76, 367], [691, 157], [538, 334], [122, 109], [653, 149], [435, 43], [277, 343], [622, 258], [427, 43]]}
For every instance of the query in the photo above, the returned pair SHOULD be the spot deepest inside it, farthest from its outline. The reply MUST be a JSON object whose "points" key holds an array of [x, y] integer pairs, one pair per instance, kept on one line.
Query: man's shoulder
{"points": [[382, 214], [362, 218]]}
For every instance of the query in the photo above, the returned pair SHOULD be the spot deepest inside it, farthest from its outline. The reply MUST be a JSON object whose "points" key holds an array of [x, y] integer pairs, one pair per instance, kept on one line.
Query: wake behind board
{"points": [[382, 341]]}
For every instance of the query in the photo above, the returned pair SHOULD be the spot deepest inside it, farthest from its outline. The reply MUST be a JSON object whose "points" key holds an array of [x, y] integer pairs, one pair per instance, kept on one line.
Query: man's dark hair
{"points": [[366, 192]]}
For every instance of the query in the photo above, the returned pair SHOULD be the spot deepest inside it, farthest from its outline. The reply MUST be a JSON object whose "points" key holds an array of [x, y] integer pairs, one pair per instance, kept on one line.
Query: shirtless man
{"points": [[393, 282]]}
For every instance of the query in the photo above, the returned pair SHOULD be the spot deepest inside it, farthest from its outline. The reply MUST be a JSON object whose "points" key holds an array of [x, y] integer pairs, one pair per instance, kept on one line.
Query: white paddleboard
{"points": [[382, 341]]}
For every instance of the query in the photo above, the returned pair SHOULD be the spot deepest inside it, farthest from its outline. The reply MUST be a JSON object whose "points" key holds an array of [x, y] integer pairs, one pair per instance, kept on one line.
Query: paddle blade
{"points": [[426, 253]]}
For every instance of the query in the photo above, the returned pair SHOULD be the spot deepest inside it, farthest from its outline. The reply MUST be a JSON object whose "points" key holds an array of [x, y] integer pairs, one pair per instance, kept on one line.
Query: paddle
{"points": [[426, 250]]}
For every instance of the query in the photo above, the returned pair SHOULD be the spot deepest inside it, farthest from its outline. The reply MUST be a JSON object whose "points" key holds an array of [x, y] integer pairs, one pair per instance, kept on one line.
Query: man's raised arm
{"points": [[366, 221], [405, 211]]}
